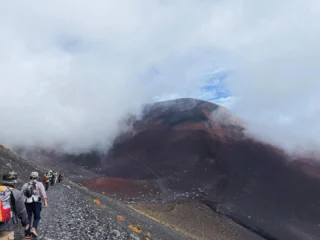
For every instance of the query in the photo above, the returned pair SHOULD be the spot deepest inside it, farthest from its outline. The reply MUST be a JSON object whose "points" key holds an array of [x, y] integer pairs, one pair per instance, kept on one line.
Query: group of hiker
{"points": [[25, 204], [51, 178]]}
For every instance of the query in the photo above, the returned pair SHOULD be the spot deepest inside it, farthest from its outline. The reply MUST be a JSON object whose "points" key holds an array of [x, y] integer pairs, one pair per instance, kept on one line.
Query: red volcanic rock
{"points": [[121, 187]]}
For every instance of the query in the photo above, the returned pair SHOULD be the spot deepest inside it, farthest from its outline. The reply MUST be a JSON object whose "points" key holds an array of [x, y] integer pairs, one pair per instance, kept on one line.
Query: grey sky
{"points": [[70, 70]]}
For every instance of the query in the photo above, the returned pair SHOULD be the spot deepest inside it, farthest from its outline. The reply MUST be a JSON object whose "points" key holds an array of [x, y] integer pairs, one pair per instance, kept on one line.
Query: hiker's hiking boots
{"points": [[33, 232]]}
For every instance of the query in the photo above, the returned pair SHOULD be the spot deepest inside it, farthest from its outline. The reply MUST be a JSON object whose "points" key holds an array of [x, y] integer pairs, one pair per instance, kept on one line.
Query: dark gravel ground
{"points": [[72, 214]]}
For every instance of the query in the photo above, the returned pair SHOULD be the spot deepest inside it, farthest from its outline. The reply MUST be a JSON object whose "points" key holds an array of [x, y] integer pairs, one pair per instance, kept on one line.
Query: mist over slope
{"points": [[72, 70], [196, 150], [199, 151]]}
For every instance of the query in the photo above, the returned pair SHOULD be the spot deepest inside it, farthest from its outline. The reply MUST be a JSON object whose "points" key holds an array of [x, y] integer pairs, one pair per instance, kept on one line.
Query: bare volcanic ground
{"points": [[196, 220], [72, 213], [78, 217], [197, 150], [125, 189]]}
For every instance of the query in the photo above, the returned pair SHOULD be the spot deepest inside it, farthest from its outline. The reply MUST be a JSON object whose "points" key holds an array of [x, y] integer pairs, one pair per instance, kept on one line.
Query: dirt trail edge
{"points": [[72, 214]]}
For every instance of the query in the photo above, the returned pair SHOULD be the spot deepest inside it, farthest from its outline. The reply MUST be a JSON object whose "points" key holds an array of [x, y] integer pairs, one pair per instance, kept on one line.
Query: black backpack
{"points": [[29, 191]]}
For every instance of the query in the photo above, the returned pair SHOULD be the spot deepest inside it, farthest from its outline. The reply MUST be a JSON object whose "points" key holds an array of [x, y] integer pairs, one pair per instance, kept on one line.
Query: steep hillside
{"points": [[197, 150], [196, 147], [72, 213], [10, 161]]}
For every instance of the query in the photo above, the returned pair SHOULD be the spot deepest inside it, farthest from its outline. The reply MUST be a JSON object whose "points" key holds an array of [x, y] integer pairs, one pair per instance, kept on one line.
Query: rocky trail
{"points": [[72, 214]]}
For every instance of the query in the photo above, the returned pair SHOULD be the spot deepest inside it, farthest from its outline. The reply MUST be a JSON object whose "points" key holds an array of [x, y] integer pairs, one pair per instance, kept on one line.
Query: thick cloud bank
{"points": [[70, 70], [277, 76]]}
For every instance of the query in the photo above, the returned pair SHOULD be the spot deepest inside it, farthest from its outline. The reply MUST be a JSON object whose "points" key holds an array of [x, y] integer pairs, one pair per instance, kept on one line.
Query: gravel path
{"points": [[72, 214]]}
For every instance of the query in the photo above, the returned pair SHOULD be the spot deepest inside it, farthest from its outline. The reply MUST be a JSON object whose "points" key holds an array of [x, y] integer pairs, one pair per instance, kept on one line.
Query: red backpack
{"points": [[5, 204]]}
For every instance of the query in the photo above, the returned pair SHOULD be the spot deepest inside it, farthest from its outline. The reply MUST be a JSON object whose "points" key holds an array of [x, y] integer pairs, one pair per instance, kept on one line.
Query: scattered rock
{"points": [[134, 236], [115, 233]]}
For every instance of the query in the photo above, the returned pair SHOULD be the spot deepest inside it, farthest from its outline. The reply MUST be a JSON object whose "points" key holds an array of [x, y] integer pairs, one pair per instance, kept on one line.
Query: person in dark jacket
{"points": [[51, 176], [60, 178], [17, 206]]}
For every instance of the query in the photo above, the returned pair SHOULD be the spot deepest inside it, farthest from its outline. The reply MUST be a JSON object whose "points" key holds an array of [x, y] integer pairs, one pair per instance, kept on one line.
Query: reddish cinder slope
{"points": [[169, 136], [200, 149], [196, 149], [123, 188]]}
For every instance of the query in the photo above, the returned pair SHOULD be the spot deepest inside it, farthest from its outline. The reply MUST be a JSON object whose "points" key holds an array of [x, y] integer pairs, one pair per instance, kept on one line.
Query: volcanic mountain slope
{"points": [[196, 149], [72, 213]]}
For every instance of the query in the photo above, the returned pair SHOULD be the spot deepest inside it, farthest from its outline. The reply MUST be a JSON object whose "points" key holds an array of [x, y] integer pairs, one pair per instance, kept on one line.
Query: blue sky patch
{"points": [[214, 87]]}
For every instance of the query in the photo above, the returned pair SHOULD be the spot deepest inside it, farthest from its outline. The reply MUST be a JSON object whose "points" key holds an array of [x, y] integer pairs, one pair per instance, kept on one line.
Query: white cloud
{"points": [[277, 78], [70, 70], [227, 102]]}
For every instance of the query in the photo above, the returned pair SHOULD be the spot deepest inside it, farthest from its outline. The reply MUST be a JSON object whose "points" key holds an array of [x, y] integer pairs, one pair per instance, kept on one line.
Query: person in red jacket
{"points": [[46, 181]]}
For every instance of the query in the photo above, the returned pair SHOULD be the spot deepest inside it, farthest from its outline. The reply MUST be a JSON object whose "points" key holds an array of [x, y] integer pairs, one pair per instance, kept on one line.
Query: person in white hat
{"points": [[34, 192]]}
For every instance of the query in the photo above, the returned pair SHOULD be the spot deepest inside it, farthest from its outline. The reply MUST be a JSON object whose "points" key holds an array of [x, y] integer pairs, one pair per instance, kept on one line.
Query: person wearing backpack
{"points": [[55, 177], [51, 176], [46, 181], [34, 192], [60, 177], [12, 207]]}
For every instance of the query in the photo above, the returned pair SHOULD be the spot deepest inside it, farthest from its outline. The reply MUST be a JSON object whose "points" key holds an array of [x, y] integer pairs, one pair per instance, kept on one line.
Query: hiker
{"points": [[11, 207], [60, 178], [34, 192], [46, 181], [50, 175], [52, 180], [55, 177]]}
